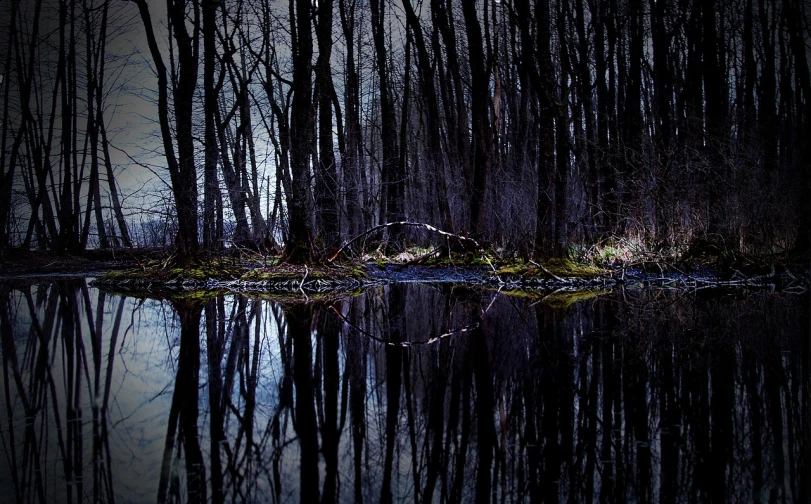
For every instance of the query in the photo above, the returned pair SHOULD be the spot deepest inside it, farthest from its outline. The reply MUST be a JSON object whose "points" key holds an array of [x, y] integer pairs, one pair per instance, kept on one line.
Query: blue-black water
{"points": [[408, 392]]}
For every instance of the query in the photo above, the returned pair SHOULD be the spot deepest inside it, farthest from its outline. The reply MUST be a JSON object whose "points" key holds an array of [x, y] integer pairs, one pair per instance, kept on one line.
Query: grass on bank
{"points": [[581, 263], [246, 268]]}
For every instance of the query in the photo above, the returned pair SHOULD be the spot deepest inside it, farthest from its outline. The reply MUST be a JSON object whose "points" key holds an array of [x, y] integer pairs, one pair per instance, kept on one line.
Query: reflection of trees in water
{"points": [[642, 395], [54, 373]]}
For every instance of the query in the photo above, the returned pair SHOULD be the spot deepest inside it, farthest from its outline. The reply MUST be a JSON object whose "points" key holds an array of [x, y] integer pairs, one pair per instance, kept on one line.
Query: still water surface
{"points": [[425, 393]]}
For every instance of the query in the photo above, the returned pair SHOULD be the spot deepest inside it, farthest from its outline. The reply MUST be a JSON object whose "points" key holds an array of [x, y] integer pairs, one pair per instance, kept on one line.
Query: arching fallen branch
{"points": [[403, 223]]}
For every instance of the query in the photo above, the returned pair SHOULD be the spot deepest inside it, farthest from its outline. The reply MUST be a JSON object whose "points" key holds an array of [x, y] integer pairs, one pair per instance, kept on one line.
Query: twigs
{"points": [[402, 223], [545, 270]]}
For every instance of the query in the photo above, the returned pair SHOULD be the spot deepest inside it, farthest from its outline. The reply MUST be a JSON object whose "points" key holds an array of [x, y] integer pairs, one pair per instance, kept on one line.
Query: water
{"points": [[410, 392]]}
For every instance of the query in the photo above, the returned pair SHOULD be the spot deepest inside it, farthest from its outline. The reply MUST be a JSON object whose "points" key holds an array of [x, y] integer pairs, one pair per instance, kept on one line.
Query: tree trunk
{"points": [[428, 92], [210, 183], [351, 157], [663, 128], [479, 108], [327, 180], [392, 194], [182, 171], [298, 248]]}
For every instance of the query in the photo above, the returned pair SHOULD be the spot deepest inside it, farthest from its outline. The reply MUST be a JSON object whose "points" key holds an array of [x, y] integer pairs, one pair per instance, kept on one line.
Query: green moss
{"points": [[162, 272], [564, 268], [515, 268], [467, 259], [286, 273]]}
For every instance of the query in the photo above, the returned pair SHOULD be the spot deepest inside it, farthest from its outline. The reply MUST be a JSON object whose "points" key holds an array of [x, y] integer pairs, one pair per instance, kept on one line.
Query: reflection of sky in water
{"points": [[569, 364], [141, 394]]}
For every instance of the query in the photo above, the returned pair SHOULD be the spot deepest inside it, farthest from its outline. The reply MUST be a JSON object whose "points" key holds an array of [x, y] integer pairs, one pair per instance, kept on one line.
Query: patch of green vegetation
{"points": [[283, 273], [561, 267], [359, 271], [565, 267], [456, 259], [201, 270], [226, 269]]}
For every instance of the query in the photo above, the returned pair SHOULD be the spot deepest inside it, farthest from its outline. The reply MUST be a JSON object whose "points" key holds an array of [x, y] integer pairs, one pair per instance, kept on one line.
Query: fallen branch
{"points": [[402, 223], [545, 270]]}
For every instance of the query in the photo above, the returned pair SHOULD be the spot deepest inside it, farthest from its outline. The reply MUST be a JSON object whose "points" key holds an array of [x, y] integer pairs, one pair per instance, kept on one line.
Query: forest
{"points": [[541, 128]]}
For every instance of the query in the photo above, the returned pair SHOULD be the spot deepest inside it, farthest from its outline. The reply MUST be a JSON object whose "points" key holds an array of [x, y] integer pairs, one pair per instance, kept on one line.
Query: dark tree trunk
{"points": [[585, 91], [562, 145], [428, 91], [186, 191], [351, 157], [716, 118], [68, 241], [632, 117], [298, 248], [452, 92], [393, 191], [479, 109], [663, 128], [537, 62], [182, 171], [210, 182], [327, 179], [8, 164], [798, 36]]}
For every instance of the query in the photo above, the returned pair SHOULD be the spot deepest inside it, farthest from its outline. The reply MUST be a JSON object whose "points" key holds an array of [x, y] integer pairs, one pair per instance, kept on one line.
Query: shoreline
{"points": [[148, 271]]}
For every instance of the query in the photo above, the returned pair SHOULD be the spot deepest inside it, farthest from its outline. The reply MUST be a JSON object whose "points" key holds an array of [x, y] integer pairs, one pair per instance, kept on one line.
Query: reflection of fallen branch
{"points": [[406, 344], [492, 301], [306, 272], [402, 223], [403, 344]]}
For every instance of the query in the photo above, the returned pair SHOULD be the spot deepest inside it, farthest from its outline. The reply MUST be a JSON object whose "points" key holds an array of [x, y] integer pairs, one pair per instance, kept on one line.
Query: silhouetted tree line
{"points": [[533, 125]]}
